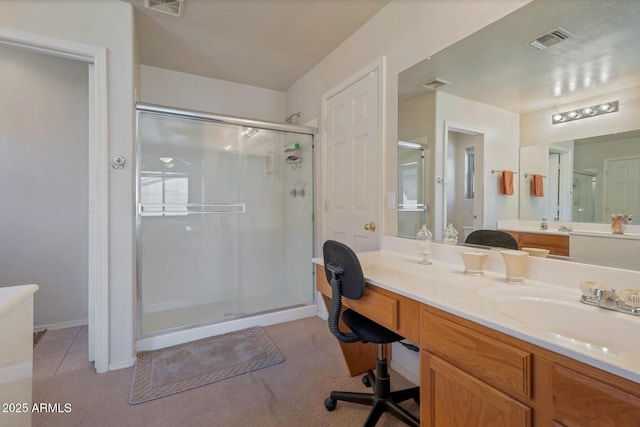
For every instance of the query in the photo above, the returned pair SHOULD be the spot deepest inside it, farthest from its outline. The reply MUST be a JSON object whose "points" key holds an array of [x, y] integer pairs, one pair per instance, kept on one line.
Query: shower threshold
{"points": [[195, 315], [180, 335]]}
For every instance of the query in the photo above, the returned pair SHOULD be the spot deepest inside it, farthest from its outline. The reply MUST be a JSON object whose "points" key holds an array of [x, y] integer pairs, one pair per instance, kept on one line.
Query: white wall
{"points": [[404, 32], [534, 159], [536, 127], [500, 151], [109, 24], [181, 90], [416, 122], [43, 182]]}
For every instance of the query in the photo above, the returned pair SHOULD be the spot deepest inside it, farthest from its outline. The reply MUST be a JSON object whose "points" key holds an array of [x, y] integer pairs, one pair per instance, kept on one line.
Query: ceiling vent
{"points": [[170, 7], [434, 84], [550, 38]]}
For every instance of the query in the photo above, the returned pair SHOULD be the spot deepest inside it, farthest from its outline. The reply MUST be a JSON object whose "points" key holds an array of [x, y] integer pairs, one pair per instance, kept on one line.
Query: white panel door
{"points": [[623, 187], [353, 164]]}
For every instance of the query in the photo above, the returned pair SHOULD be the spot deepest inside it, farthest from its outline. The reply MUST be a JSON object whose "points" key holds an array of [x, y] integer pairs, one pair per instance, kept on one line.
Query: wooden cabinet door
{"points": [[582, 401], [453, 398]]}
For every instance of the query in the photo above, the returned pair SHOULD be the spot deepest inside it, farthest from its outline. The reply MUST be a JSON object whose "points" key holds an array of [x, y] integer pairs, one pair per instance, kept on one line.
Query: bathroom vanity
{"points": [[16, 354], [557, 243], [583, 242], [493, 353]]}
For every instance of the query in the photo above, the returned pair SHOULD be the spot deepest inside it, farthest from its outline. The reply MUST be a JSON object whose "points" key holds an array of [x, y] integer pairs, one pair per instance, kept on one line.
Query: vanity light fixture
{"points": [[583, 113]]}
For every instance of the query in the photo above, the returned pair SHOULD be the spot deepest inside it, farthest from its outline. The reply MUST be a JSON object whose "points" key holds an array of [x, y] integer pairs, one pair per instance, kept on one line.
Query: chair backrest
{"points": [[344, 273], [498, 239], [337, 254]]}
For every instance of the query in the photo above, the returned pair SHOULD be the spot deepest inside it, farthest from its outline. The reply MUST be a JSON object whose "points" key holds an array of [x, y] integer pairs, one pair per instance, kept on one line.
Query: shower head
{"points": [[290, 118]]}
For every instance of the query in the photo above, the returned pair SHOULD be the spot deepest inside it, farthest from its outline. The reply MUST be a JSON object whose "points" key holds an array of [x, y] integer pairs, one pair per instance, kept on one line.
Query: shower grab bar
{"points": [[159, 209]]}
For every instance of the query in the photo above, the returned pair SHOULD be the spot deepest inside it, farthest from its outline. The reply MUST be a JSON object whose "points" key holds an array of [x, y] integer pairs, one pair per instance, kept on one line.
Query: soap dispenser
{"points": [[423, 238], [544, 225]]}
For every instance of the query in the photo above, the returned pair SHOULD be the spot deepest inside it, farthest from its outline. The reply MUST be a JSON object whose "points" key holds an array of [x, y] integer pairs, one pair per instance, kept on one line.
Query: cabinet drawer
{"points": [[579, 400], [505, 367], [374, 304]]}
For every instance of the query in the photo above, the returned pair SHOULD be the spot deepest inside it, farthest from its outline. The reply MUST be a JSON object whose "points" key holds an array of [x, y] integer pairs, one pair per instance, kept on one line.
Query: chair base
{"points": [[382, 399]]}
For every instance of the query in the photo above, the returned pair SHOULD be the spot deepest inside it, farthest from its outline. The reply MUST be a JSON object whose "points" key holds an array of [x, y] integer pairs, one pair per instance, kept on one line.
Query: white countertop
{"points": [[632, 231], [537, 230], [606, 235], [12, 296], [544, 314]]}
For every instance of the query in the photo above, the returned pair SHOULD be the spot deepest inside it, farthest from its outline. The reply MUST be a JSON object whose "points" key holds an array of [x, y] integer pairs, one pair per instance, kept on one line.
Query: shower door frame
{"points": [[142, 107]]}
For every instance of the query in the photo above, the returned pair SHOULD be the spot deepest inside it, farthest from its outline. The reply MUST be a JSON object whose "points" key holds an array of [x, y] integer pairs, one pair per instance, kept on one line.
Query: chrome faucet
{"points": [[544, 225], [608, 299]]}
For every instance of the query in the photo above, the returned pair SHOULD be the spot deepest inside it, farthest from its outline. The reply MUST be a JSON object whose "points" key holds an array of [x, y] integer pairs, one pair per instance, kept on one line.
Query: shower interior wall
{"points": [[251, 262]]}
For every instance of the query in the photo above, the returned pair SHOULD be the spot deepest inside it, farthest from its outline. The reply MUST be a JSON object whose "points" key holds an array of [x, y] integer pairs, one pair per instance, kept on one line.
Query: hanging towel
{"points": [[537, 188], [507, 182]]}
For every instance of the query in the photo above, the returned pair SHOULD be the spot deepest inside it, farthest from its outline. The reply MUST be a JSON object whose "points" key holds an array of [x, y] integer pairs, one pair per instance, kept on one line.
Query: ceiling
{"points": [[264, 43], [497, 65]]}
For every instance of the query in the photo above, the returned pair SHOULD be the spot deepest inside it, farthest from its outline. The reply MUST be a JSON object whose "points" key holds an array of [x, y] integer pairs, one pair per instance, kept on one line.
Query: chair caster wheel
{"points": [[365, 381], [330, 404]]}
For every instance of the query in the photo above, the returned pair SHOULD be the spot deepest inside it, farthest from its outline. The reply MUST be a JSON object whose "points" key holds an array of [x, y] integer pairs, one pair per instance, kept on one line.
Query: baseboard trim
{"points": [[402, 370], [122, 364], [60, 325]]}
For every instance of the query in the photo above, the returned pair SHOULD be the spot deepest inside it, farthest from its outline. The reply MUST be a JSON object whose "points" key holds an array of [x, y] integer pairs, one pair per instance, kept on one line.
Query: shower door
{"points": [[220, 233], [411, 188]]}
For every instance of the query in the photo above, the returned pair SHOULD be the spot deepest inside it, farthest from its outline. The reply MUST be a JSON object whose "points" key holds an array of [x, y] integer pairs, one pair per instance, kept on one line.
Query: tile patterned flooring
{"points": [[61, 350]]}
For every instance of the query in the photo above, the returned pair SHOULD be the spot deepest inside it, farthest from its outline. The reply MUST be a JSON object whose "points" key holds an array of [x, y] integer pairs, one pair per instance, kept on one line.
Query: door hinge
{"points": [[325, 124]]}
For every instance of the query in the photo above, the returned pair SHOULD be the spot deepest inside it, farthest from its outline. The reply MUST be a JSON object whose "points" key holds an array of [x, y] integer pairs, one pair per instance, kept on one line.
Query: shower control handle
{"points": [[371, 226]]}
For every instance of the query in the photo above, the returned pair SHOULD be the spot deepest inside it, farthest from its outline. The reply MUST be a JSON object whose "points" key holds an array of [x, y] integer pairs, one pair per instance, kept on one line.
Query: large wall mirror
{"points": [[589, 179], [503, 84]]}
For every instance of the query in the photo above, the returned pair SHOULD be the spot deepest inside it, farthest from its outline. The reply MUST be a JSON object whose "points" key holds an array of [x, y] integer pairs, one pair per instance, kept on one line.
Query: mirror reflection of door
{"points": [[412, 208], [463, 193], [622, 186]]}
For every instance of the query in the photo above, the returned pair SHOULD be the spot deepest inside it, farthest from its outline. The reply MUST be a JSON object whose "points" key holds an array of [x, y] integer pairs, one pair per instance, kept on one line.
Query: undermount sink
{"points": [[571, 323]]}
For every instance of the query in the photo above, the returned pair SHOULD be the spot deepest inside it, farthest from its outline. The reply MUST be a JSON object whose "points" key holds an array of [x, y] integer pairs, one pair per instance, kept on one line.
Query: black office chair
{"points": [[343, 271], [494, 238]]}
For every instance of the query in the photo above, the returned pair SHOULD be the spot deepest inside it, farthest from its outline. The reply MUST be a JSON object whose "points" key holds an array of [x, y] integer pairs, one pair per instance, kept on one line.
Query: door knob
{"points": [[370, 226]]}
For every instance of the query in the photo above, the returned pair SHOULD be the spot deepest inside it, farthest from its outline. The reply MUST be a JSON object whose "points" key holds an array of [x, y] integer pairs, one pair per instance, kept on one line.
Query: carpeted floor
{"points": [[291, 393]]}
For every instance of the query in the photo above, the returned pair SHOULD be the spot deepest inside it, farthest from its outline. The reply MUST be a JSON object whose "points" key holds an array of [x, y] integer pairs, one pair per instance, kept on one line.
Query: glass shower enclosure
{"points": [[224, 221]]}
